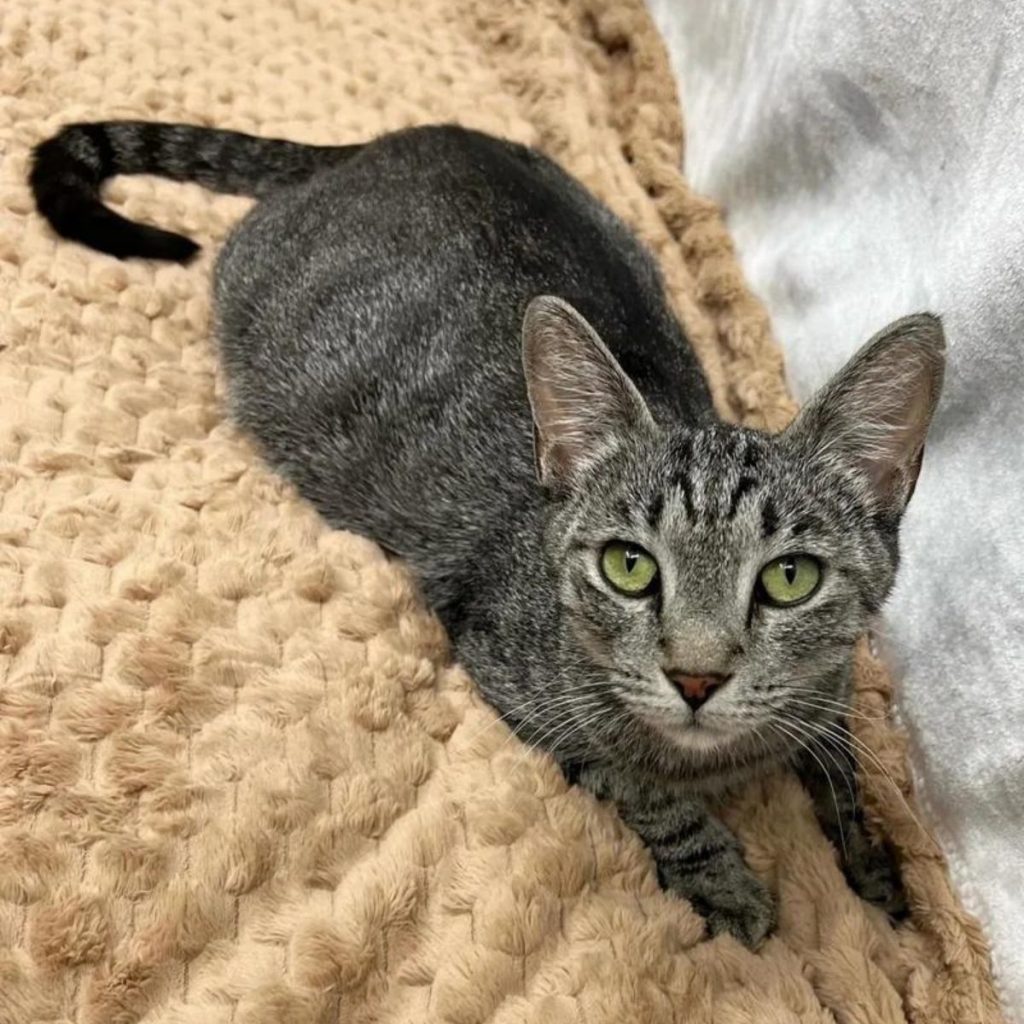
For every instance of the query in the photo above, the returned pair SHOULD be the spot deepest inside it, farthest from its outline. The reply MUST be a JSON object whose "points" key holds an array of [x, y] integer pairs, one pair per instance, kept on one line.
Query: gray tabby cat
{"points": [[452, 347]]}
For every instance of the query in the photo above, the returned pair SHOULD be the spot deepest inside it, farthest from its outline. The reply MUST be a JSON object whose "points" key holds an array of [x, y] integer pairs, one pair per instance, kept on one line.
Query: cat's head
{"points": [[715, 580]]}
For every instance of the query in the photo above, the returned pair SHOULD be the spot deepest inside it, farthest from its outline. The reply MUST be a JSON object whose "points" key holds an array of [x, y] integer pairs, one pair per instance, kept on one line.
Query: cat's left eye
{"points": [[789, 580]]}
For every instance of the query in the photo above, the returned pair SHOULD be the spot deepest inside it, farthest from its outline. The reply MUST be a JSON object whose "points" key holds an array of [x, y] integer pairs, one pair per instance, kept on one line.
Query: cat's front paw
{"points": [[744, 908], [733, 901]]}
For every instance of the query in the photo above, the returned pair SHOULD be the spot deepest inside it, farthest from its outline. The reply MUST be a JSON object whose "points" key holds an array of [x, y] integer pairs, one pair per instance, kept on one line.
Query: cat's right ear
{"points": [[580, 397], [873, 416]]}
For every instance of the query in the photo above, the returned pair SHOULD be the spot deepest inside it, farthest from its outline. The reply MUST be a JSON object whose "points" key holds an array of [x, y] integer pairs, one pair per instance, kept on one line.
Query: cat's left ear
{"points": [[580, 397], [873, 416]]}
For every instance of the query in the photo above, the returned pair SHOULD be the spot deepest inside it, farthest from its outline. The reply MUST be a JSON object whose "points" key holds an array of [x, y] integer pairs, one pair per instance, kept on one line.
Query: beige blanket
{"points": [[240, 780]]}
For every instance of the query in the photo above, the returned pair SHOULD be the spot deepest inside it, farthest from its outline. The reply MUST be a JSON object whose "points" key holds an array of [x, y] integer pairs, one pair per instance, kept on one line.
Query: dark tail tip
{"points": [[106, 231], [67, 172]]}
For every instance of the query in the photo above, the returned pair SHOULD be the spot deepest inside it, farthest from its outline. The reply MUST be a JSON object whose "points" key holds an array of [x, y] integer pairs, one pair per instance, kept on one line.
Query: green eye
{"points": [[628, 568], [788, 580]]}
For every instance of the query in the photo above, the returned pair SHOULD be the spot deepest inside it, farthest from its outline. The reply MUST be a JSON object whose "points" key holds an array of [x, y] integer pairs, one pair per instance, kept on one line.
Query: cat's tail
{"points": [[68, 171]]}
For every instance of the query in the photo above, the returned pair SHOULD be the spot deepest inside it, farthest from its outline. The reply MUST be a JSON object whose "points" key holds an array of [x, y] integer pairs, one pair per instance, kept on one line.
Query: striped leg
{"points": [[697, 857]]}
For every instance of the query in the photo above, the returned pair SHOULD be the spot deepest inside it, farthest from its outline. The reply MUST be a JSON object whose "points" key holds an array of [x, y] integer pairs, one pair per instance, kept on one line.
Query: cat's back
{"points": [[438, 206], [423, 239]]}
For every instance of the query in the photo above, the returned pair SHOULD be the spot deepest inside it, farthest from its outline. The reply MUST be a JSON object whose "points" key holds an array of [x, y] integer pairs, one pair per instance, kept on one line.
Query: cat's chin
{"points": [[699, 741], [705, 754]]}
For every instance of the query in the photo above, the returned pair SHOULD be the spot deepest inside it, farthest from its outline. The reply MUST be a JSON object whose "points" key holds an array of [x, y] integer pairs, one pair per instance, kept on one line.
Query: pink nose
{"points": [[696, 689]]}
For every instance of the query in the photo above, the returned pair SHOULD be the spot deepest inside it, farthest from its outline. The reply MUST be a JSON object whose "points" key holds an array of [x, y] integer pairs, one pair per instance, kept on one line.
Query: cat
{"points": [[449, 345]]}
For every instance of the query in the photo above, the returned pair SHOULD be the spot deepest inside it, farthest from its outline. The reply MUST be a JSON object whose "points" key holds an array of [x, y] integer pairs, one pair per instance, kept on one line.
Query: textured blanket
{"points": [[240, 780]]}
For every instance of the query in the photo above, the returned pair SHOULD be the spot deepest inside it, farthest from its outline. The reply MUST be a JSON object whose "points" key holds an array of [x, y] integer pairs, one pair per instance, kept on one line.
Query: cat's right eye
{"points": [[629, 569]]}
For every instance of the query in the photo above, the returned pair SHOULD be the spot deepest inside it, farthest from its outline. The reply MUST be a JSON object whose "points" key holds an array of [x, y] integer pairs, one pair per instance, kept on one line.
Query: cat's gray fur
{"points": [[384, 341]]}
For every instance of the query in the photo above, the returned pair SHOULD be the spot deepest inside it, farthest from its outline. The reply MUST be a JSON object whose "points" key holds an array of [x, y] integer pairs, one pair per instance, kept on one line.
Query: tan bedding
{"points": [[240, 780]]}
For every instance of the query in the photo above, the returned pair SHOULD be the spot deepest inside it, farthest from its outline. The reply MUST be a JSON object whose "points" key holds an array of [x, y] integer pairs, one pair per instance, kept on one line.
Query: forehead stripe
{"points": [[743, 486], [654, 512], [684, 485]]}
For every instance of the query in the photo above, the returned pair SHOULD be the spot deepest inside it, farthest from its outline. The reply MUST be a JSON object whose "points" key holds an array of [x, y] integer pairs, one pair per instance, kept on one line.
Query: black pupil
{"points": [[631, 557], [789, 568]]}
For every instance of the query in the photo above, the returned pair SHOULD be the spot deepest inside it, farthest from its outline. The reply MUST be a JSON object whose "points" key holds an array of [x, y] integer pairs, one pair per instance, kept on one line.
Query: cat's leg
{"points": [[696, 855], [870, 866]]}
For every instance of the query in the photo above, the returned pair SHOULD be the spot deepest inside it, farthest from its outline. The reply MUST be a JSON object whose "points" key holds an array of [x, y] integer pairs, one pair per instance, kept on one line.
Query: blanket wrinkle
{"points": [[241, 781]]}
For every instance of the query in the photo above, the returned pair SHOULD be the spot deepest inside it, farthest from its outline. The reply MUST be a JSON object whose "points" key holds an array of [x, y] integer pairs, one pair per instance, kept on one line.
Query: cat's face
{"points": [[763, 571], [716, 580]]}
